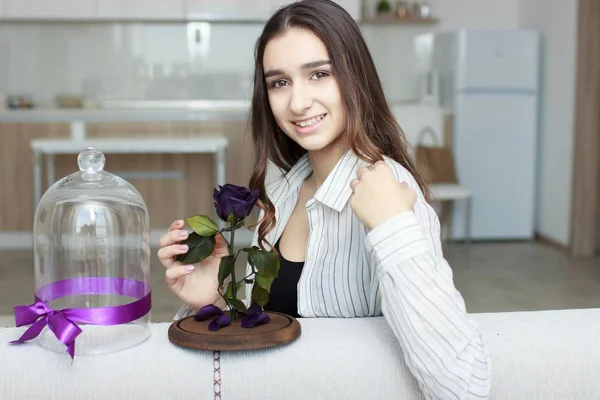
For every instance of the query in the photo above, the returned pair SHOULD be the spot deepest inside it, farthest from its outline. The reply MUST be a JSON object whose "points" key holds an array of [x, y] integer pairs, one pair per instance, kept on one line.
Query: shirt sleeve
{"points": [[441, 345]]}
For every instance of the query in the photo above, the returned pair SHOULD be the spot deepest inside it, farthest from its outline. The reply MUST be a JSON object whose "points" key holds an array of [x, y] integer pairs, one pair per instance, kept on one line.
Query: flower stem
{"points": [[234, 288], [246, 277]]}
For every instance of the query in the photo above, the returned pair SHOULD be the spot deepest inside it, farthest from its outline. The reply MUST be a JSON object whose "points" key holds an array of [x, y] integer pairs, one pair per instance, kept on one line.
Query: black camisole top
{"points": [[284, 289]]}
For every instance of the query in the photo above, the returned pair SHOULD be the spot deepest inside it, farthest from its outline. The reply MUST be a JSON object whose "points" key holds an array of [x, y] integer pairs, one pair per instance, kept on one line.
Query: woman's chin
{"points": [[315, 142], [312, 144]]}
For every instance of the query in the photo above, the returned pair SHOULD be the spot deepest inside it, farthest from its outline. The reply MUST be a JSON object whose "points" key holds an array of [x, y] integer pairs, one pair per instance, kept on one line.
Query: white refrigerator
{"points": [[490, 81]]}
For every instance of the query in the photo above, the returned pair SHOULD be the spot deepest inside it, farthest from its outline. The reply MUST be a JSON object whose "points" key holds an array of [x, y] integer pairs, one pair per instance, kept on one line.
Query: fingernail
{"points": [[183, 247], [189, 268], [183, 233]]}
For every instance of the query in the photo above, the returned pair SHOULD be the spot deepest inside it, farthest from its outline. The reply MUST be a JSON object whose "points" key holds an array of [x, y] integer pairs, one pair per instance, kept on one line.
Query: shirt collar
{"points": [[282, 187], [334, 192]]}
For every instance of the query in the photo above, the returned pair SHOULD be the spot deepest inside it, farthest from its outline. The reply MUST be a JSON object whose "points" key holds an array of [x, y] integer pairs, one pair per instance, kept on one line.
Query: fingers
{"points": [[220, 240], [169, 244], [167, 254], [366, 168], [172, 274], [178, 224], [359, 175], [221, 246], [361, 171], [172, 236]]}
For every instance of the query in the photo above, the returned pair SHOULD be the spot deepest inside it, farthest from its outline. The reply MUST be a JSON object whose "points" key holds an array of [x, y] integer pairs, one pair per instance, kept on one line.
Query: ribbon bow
{"points": [[38, 315]]}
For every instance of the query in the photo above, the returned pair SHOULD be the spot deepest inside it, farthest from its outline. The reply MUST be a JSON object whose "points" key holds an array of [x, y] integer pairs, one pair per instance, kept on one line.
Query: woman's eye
{"points": [[278, 84], [320, 75]]}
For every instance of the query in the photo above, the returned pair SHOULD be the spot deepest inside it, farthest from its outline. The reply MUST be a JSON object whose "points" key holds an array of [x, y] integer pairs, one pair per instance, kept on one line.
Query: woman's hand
{"points": [[377, 195], [197, 284]]}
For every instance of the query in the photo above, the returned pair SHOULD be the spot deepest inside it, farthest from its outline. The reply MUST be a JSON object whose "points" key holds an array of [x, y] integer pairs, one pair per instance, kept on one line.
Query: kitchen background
{"points": [[155, 55], [145, 60], [164, 60]]}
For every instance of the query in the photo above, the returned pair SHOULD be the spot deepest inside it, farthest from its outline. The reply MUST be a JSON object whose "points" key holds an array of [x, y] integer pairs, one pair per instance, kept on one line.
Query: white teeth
{"points": [[310, 122]]}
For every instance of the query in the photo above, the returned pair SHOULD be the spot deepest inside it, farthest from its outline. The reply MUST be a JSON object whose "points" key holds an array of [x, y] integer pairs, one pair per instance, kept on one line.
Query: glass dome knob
{"points": [[91, 161]]}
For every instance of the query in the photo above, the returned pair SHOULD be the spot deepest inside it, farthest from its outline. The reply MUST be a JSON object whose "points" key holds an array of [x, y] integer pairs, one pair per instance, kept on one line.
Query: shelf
{"points": [[392, 20]]}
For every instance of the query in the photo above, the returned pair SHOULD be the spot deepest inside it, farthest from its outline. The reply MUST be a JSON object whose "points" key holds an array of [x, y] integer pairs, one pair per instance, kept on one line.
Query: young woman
{"points": [[349, 215]]}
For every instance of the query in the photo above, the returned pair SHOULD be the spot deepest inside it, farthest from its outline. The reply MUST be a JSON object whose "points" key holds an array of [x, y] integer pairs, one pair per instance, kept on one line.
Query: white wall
{"points": [[393, 46], [477, 14], [157, 60], [556, 20], [124, 60]]}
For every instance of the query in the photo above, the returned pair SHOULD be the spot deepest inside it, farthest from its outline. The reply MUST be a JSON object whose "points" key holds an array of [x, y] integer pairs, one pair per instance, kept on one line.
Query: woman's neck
{"points": [[323, 161]]}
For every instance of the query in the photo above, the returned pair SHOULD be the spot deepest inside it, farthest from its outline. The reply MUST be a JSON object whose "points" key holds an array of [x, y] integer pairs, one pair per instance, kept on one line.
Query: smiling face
{"points": [[303, 93]]}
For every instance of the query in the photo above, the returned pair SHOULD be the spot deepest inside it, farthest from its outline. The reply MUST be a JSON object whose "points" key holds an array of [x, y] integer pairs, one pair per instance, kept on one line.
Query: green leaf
{"points": [[230, 218], [260, 295], [263, 282], [229, 292], [226, 268], [203, 225], [200, 247], [266, 262], [238, 305]]}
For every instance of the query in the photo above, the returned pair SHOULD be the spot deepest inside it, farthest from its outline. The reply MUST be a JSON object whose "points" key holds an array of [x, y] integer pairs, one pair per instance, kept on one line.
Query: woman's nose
{"points": [[301, 99]]}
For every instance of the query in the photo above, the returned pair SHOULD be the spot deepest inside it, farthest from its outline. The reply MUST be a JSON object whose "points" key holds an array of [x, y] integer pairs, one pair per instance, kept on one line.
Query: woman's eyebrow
{"points": [[313, 64]]}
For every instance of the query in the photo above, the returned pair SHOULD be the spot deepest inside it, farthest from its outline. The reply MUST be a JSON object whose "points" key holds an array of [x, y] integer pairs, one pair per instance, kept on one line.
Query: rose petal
{"points": [[207, 311], [254, 308], [219, 322], [250, 321], [233, 199], [219, 204], [239, 208], [252, 199]]}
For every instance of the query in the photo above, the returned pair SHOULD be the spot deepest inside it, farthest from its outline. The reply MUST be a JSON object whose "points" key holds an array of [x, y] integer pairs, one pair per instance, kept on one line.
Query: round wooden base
{"points": [[189, 333]]}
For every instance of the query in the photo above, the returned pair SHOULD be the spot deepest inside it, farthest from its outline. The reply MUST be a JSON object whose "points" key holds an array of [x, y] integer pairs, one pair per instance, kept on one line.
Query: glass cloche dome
{"points": [[92, 258]]}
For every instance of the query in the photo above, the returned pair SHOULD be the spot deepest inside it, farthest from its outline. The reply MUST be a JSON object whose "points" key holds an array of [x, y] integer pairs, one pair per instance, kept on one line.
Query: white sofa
{"points": [[536, 355]]}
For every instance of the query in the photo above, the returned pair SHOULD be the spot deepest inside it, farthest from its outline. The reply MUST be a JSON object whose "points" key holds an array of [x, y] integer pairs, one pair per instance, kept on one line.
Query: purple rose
{"points": [[221, 319], [254, 317], [235, 201]]}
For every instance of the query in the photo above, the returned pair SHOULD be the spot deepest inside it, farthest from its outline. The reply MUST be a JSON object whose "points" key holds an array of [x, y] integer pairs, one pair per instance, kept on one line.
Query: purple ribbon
{"points": [[63, 322]]}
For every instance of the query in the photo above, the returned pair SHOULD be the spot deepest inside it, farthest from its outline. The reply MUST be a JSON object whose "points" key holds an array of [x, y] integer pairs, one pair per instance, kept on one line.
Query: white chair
{"points": [[453, 192]]}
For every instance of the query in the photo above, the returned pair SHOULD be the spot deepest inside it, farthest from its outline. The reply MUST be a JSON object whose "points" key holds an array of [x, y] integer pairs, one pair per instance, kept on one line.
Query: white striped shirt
{"points": [[396, 270]]}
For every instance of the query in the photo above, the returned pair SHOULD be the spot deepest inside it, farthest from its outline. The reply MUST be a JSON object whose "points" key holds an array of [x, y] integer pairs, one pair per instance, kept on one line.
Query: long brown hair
{"points": [[371, 129]]}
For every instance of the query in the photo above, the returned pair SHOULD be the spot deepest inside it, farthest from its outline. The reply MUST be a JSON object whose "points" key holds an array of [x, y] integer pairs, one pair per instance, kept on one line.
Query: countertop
{"points": [[534, 354], [141, 111], [134, 112]]}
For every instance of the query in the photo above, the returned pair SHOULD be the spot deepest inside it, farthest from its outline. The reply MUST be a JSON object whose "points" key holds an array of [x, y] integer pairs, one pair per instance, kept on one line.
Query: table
{"points": [[453, 192], [212, 144], [545, 355]]}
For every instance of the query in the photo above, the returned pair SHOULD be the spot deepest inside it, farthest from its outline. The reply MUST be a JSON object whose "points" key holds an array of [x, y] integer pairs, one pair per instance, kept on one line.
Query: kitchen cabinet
{"points": [[139, 9], [230, 10], [163, 10], [16, 203], [44, 9]]}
